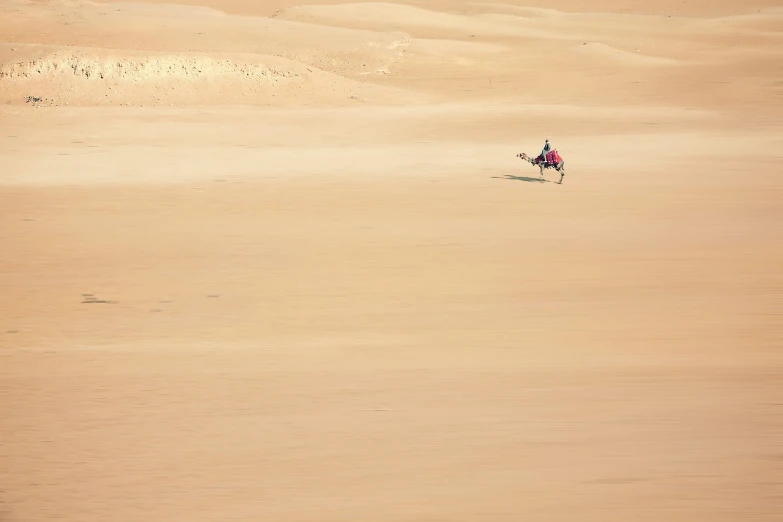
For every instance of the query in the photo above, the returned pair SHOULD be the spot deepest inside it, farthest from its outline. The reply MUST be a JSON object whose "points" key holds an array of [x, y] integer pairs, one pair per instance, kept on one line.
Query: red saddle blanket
{"points": [[551, 157]]}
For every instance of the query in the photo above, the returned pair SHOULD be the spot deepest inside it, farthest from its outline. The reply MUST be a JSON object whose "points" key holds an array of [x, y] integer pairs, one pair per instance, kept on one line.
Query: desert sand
{"points": [[274, 261]]}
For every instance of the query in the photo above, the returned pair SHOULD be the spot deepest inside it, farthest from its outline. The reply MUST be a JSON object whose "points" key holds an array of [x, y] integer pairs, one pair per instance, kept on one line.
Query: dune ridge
{"points": [[140, 68], [102, 77]]}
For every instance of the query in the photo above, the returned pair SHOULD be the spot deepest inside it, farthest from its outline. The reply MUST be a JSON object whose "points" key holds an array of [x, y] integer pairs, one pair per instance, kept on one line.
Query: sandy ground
{"points": [[270, 261]]}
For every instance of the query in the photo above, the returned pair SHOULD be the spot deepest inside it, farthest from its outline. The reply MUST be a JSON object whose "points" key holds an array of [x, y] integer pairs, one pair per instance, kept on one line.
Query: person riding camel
{"points": [[545, 151], [542, 162]]}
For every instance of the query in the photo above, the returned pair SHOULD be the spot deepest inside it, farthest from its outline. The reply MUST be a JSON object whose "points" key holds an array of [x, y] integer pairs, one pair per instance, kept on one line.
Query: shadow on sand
{"points": [[523, 178]]}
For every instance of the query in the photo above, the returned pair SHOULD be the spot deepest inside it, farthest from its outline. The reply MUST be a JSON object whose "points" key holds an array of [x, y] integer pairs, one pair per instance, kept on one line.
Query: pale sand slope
{"points": [[323, 289]]}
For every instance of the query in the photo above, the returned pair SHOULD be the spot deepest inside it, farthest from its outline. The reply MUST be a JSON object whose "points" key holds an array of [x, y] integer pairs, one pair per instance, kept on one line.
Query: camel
{"points": [[556, 163]]}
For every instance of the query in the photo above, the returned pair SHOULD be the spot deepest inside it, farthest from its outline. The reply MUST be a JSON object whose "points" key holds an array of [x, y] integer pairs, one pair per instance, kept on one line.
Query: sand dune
{"points": [[100, 77], [625, 57], [424, 23], [382, 44], [269, 260]]}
